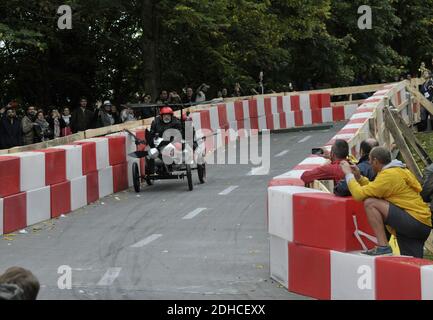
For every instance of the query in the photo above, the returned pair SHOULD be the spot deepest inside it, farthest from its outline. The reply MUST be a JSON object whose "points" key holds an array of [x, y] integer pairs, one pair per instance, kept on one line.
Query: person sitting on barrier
{"points": [[393, 199], [28, 285], [341, 189], [332, 171]]}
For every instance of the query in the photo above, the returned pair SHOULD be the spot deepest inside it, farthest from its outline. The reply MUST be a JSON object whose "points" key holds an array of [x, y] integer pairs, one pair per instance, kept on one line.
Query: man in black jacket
{"points": [[82, 119], [341, 189], [10, 130]]}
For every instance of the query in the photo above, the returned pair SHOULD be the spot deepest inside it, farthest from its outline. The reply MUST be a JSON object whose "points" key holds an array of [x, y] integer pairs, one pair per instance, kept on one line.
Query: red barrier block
{"points": [[316, 116], [120, 177], [310, 271], [14, 212], [283, 120], [338, 113], [268, 106], [60, 199], [88, 156], [253, 110], [92, 187], [325, 100], [55, 166], [10, 170], [254, 123], [399, 278], [279, 182], [299, 118], [205, 119], [295, 103], [358, 121], [116, 150], [239, 110], [315, 101], [326, 221], [270, 122], [222, 116]]}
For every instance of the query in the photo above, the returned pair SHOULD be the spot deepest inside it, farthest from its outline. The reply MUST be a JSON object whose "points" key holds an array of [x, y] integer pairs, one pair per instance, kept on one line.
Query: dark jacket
{"points": [[342, 190], [43, 133], [158, 127], [11, 134], [82, 120], [10, 292], [427, 187], [62, 125]]}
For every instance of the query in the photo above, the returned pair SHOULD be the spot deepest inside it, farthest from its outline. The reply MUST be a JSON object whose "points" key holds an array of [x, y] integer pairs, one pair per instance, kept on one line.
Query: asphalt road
{"points": [[166, 242]]}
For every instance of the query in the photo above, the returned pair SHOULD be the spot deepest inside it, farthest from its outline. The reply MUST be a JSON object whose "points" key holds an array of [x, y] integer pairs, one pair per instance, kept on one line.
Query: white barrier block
{"points": [[307, 117], [231, 115], [354, 126], [279, 260], [427, 282], [304, 100], [315, 160], [214, 118], [261, 107], [274, 105], [262, 123], [290, 119], [346, 137], [32, 174], [105, 178], [245, 106], [327, 115], [295, 174], [38, 205], [196, 120], [276, 121], [102, 153], [1, 216], [78, 193], [287, 104], [280, 202], [74, 160], [350, 114], [352, 276]]}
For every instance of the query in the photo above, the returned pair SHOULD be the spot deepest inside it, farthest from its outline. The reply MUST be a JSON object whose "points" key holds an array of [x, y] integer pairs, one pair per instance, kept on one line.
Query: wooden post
{"points": [[401, 144]]}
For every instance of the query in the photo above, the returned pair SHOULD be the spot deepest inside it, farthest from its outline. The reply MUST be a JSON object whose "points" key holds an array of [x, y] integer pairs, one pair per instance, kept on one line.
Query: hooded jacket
{"points": [[10, 292], [397, 185]]}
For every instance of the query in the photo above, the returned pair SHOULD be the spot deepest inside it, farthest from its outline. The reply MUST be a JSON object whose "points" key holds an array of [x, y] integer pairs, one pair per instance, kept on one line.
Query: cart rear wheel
{"points": [[189, 177], [136, 177], [201, 170]]}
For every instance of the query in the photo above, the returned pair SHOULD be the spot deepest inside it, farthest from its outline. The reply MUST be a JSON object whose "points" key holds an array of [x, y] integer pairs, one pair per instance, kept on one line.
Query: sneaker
{"points": [[379, 251]]}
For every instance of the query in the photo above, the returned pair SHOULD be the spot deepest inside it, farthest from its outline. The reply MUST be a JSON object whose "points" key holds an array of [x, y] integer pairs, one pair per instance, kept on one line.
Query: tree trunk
{"points": [[149, 46]]}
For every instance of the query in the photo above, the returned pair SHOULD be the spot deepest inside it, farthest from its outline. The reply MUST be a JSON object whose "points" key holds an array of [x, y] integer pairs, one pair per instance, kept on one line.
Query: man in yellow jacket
{"points": [[393, 199]]}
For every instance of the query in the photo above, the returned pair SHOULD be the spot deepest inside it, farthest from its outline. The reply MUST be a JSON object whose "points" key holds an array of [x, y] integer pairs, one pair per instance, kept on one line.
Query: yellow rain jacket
{"points": [[398, 186]]}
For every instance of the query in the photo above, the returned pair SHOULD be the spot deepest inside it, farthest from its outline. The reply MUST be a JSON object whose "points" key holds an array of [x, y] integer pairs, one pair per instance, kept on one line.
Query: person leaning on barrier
{"points": [[28, 127], [18, 284], [393, 200], [331, 171], [341, 189]]}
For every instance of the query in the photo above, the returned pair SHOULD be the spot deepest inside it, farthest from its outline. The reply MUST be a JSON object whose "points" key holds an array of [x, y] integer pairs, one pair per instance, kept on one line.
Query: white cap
{"points": [[107, 103]]}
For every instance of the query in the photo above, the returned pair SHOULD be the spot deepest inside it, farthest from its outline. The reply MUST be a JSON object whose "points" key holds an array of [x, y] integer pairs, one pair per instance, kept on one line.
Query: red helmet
{"points": [[166, 110]]}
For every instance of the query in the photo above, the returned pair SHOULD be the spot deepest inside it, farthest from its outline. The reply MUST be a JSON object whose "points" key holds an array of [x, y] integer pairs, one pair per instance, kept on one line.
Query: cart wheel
{"points": [[189, 177], [136, 177], [201, 170], [149, 181]]}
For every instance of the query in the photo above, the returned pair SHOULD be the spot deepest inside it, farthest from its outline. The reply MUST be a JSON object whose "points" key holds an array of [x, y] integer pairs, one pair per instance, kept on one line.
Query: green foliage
{"points": [[120, 48]]}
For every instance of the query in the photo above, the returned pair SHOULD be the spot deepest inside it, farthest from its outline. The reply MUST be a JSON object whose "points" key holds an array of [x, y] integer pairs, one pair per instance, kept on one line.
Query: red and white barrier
{"points": [[38, 206], [74, 160], [78, 193], [32, 170]]}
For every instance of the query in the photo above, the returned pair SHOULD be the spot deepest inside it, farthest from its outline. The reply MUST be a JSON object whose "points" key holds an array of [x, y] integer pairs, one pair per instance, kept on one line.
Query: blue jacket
{"points": [[342, 190]]}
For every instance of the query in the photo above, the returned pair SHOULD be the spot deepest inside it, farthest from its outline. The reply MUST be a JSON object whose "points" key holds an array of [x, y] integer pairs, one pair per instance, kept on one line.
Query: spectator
{"points": [[392, 199], [332, 171], [10, 292], [220, 95], [163, 97], [224, 93], [28, 126], [189, 96], [57, 124], [127, 114], [104, 116], [24, 280], [341, 189], [427, 91], [115, 113], [238, 90], [42, 128], [201, 93], [148, 99], [82, 118], [10, 130], [66, 116], [174, 98]]}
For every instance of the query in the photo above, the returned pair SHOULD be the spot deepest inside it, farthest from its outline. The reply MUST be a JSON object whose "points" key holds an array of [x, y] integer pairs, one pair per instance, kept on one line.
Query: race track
{"points": [[166, 242]]}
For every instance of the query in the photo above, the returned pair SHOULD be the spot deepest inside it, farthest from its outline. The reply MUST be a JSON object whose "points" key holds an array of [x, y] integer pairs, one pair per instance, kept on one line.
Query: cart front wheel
{"points": [[136, 177]]}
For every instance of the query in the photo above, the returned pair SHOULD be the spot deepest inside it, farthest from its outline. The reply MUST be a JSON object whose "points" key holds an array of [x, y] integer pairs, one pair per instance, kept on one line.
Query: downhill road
{"points": [[166, 242]]}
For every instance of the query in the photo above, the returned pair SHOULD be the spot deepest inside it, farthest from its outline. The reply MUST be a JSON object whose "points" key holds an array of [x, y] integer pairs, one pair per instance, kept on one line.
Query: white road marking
{"points": [[228, 190], [283, 153], [109, 277], [146, 241], [305, 139], [194, 213]]}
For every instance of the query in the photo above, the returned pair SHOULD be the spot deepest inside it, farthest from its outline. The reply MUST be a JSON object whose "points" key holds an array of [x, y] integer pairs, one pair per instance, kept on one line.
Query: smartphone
{"points": [[317, 151]]}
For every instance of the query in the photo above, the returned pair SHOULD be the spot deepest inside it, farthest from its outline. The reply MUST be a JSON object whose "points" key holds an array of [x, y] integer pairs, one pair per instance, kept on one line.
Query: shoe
{"points": [[379, 251]]}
